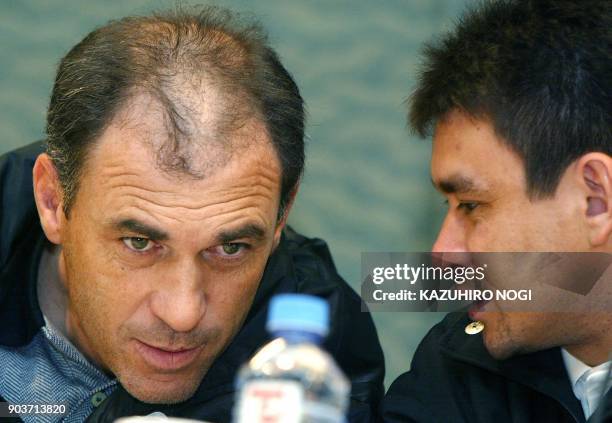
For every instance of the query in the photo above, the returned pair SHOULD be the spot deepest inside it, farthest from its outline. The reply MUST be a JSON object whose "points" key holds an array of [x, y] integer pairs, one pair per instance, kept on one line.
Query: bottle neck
{"points": [[299, 336]]}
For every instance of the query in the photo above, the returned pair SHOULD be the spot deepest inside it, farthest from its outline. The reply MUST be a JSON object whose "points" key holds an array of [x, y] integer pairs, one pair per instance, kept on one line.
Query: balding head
{"points": [[204, 73]]}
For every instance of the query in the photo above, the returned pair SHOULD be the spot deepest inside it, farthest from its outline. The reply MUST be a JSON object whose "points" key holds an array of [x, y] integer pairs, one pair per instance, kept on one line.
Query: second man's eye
{"points": [[468, 207], [138, 244]]}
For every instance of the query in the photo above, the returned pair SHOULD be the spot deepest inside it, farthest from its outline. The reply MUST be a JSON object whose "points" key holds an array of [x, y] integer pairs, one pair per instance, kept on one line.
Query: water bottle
{"points": [[291, 379]]}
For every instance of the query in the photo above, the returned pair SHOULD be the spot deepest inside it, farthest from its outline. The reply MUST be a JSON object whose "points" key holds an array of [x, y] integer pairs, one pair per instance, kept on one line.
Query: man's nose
{"points": [[181, 302], [452, 236]]}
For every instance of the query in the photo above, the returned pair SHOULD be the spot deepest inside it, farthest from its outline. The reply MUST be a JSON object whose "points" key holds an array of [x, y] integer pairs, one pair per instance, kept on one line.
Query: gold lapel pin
{"points": [[474, 328]]}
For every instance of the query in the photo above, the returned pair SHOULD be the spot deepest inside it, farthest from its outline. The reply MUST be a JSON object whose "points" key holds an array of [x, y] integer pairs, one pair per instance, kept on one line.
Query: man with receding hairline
{"points": [[139, 245]]}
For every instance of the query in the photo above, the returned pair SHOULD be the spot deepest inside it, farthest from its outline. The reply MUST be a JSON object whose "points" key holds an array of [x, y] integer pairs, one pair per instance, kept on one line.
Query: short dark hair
{"points": [[146, 54], [539, 70]]}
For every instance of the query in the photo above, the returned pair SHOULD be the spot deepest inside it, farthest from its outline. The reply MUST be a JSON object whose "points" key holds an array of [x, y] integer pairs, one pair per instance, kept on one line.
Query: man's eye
{"points": [[232, 248], [467, 207], [138, 244]]}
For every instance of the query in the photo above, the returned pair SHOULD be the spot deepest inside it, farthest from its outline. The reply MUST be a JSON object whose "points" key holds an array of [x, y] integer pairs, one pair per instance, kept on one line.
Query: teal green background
{"points": [[366, 186]]}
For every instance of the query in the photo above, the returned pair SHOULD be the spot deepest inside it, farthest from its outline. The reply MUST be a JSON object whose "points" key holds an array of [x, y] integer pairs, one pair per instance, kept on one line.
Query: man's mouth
{"points": [[477, 308], [167, 358]]}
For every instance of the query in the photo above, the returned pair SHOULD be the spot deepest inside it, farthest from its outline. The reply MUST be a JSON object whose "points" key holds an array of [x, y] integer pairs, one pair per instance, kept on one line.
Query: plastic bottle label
{"points": [[271, 401]]}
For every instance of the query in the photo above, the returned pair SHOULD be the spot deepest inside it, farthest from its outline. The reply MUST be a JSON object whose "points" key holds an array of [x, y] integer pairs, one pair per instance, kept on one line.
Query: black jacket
{"points": [[299, 264], [454, 379]]}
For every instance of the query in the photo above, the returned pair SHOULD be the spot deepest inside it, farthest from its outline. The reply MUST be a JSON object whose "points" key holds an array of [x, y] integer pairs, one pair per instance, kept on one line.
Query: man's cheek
{"points": [[492, 234], [101, 300], [232, 297]]}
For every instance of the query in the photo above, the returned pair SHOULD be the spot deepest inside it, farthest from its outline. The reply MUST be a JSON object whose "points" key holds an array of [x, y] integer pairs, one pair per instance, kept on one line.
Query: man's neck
{"points": [[52, 294]]}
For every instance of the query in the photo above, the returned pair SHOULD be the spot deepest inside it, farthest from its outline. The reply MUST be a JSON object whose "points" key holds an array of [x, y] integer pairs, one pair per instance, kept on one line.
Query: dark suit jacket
{"points": [[454, 379]]}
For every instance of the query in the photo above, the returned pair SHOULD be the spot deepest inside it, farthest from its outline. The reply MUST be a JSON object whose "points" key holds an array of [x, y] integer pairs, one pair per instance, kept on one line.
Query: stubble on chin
{"points": [[150, 391], [498, 339]]}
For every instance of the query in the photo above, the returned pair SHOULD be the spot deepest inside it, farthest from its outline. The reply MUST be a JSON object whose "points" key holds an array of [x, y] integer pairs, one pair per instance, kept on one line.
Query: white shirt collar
{"points": [[587, 382], [575, 368]]}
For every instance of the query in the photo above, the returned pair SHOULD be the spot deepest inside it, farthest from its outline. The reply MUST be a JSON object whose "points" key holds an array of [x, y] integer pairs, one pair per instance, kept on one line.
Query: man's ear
{"points": [[595, 175], [48, 197], [282, 220]]}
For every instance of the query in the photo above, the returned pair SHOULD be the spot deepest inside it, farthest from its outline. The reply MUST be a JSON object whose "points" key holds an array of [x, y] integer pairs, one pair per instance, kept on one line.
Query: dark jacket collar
{"points": [[19, 311], [543, 371]]}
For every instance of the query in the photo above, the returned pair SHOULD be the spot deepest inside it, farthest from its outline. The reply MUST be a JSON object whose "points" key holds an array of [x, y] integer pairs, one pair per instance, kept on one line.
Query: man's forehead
{"points": [[123, 170], [193, 139], [148, 133], [467, 151], [120, 152], [458, 129], [127, 185]]}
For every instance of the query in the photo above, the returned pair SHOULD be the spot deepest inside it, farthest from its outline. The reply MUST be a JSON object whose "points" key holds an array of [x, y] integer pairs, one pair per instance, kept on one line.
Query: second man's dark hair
{"points": [[539, 70]]}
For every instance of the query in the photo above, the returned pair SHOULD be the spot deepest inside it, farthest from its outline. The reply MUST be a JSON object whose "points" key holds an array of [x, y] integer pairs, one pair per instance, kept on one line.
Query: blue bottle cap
{"points": [[298, 312]]}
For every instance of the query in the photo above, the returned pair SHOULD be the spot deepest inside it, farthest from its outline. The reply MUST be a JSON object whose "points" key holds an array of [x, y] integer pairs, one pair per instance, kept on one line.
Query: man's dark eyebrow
{"points": [[250, 230], [140, 228], [457, 185]]}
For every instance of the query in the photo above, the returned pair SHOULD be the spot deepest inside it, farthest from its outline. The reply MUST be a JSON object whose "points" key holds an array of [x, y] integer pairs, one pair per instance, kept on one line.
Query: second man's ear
{"points": [[595, 173]]}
